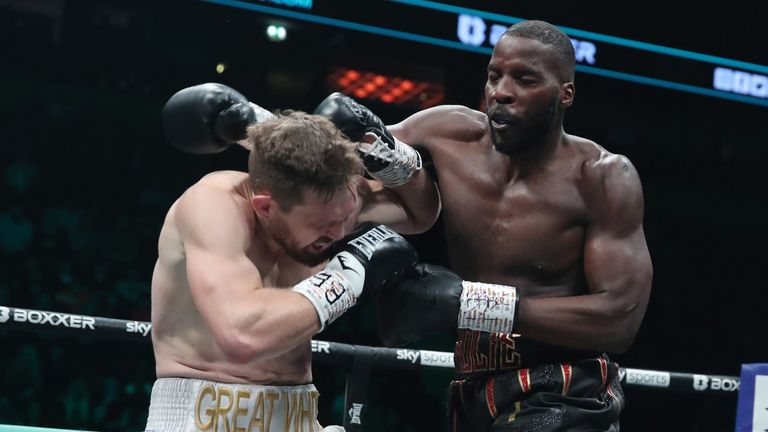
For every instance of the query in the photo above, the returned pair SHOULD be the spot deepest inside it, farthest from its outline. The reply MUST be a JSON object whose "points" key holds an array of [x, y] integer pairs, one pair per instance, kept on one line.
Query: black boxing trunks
{"points": [[506, 386], [479, 352]]}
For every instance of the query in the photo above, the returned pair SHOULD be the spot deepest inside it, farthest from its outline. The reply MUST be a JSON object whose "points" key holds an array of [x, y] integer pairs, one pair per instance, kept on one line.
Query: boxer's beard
{"points": [[533, 132], [284, 238]]}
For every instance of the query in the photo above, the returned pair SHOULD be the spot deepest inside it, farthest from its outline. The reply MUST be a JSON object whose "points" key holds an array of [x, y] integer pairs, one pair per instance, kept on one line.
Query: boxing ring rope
{"points": [[357, 359]]}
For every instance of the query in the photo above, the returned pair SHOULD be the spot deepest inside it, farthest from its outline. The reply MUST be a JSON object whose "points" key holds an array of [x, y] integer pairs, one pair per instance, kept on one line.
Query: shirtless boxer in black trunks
{"points": [[550, 225]]}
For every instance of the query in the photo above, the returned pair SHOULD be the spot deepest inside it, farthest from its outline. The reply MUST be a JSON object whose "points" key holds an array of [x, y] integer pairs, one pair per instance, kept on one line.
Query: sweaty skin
{"points": [[222, 308], [557, 216]]}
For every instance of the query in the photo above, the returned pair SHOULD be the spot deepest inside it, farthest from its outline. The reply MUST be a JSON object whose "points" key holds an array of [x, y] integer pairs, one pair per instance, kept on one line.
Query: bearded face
{"points": [[311, 255], [511, 133], [523, 93], [307, 230]]}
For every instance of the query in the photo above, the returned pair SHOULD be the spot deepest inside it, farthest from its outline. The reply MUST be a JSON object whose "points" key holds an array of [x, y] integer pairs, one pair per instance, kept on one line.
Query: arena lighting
{"points": [[474, 30], [303, 4], [385, 88], [276, 33]]}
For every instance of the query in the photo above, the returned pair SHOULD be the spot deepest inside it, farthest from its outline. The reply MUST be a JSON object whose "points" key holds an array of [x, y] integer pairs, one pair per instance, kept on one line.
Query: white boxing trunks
{"points": [[187, 405]]}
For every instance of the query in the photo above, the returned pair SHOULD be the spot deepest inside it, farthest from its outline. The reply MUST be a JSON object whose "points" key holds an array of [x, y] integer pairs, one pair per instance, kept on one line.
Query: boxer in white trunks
{"points": [[252, 265]]}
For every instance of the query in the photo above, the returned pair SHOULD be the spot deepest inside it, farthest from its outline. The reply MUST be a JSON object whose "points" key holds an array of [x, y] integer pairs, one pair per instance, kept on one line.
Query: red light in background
{"points": [[385, 88]]}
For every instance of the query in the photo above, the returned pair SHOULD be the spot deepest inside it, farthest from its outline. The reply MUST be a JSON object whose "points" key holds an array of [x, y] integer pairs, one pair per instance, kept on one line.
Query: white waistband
{"points": [[187, 405]]}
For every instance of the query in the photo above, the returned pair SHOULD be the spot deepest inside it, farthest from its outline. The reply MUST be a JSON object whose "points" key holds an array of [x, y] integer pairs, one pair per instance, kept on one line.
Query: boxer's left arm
{"points": [[208, 118], [617, 267]]}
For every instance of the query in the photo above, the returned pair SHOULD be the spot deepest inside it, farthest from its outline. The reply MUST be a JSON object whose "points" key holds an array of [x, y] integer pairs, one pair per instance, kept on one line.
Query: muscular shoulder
{"points": [[225, 180], [455, 117], [213, 208], [610, 184], [441, 123], [219, 187]]}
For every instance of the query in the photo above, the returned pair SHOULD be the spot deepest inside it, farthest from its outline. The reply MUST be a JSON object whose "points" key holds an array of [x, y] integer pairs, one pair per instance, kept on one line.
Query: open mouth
{"points": [[320, 245], [499, 125], [501, 122]]}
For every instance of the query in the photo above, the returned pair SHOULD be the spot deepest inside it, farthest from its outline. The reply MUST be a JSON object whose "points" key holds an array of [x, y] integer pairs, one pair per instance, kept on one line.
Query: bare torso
{"points": [[507, 226], [183, 343]]}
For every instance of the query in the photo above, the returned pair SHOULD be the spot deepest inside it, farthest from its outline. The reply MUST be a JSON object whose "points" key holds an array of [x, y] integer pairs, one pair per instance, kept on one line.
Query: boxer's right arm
{"points": [[386, 159], [431, 128], [247, 320], [410, 201]]}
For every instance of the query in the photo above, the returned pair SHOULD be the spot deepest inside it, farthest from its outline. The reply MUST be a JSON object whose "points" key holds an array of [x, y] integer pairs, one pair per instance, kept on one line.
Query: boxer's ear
{"points": [[262, 203], [567, 94]]}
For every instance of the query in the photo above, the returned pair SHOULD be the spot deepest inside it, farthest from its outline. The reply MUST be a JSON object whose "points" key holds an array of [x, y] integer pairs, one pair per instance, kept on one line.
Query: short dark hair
{"points": [[296, 152], [548, 34]]}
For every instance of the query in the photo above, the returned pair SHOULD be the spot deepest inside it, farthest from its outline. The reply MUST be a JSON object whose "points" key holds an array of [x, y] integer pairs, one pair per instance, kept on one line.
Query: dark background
{"points": [[87, 178]]}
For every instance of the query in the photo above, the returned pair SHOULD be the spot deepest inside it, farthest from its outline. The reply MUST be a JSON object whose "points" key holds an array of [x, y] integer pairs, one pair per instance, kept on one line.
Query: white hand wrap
{"points": [[261, 113], [334, 289], [403, 161], [488, 307]]}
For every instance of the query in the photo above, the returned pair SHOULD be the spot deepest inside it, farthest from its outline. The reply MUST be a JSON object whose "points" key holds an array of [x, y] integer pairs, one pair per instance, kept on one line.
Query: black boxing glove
{"points": [[432, 300], [387, 159], [207, 118], [365, 260]]}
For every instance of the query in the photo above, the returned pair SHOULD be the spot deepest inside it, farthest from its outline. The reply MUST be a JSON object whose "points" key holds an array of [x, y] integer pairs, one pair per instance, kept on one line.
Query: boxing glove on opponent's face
{"points": [[431, 300], [370, 257], [386, 158]]}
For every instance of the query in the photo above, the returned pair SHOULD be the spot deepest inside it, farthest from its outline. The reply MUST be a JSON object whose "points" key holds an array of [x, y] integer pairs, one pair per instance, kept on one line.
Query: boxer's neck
{"points": [[521, 164], [262, 232]]}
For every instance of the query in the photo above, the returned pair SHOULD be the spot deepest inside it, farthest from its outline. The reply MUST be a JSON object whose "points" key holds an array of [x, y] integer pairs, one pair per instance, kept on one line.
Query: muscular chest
{"points": [[525, 229]]}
